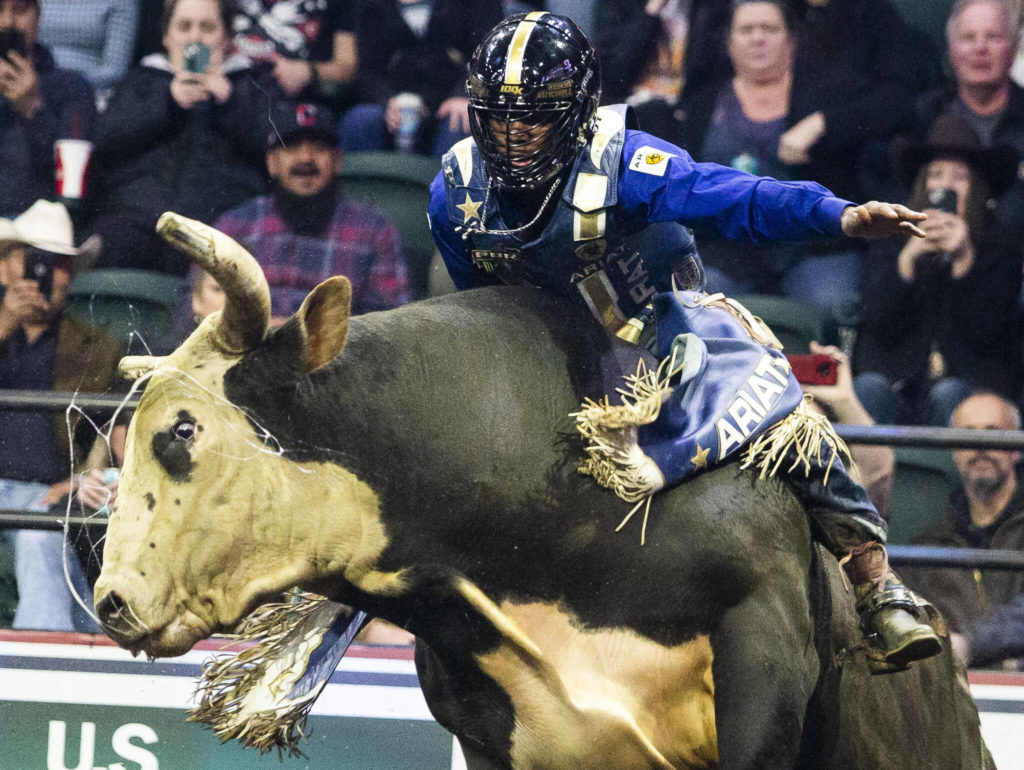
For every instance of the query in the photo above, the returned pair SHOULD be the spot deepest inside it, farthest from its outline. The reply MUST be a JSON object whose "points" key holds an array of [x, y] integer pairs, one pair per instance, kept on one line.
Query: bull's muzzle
{"points": [[119, 621]]}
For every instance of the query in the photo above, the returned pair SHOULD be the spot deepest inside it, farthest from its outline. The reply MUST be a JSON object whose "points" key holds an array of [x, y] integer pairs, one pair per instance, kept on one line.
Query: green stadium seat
{"points": [[399, 185], [923, 482], [794, 323], [136, 306]]}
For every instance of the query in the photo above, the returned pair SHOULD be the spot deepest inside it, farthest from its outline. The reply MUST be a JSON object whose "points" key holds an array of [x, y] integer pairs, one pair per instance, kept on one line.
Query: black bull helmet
{"points": [[534, 86]]}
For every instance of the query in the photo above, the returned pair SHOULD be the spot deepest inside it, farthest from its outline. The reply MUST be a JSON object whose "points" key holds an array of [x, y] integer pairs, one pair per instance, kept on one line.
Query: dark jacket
{"points": [[860, 80], [26, 146], [859, 66], [626, 40], [85, 361], [972, 322], [392, 59], [987, 605], [152, 156]]}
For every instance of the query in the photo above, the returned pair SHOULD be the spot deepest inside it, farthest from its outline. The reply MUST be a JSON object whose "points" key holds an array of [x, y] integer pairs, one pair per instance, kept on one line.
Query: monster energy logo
{"points": [[491, 260]]}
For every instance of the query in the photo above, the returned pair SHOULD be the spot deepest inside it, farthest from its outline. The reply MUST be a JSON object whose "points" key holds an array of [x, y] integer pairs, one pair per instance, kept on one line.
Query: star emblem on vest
{"points": [[700, 460], [470, 209]]}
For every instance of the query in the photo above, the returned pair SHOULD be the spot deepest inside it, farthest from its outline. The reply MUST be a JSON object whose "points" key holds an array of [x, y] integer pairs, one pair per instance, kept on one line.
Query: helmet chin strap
{"points": [[478, 226]]}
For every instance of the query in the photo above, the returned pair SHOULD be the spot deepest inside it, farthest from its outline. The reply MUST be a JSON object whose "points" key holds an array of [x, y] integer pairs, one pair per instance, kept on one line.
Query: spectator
{"points": [[43, 349], [858, 57], [744, 122], [39, 104], [998, 637], [310, 44], [940, 312], [93, 38], [982, 37], [644, 48], [873, 466], [173, 139], [986, 512], [305, 231], [421, 48], [206, 296], [639, 45], [198, 297]]}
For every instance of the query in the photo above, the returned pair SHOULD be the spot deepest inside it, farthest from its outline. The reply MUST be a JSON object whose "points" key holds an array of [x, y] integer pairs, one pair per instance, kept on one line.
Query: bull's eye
{"points": [[184, 431]]}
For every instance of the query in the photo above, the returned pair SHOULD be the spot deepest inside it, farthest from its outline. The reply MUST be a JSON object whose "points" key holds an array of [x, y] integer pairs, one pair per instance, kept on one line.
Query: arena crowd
{"points": [[242, 114]]}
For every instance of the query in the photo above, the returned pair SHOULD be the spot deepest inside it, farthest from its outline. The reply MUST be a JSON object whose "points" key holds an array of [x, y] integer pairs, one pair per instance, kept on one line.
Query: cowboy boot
{"points": [[889, 611]]}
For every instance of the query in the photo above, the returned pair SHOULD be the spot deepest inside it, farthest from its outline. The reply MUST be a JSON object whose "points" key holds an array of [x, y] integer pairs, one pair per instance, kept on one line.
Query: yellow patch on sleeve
{"points": [[650, 160]]}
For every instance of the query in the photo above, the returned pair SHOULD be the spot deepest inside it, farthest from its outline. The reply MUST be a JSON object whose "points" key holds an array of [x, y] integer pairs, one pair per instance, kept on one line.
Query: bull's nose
{"points": [[111, 607], [117, 619]]}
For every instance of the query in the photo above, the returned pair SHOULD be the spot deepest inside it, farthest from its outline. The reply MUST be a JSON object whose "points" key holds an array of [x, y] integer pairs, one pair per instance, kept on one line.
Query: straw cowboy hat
{"points": [[47, 226], [952, 136]]}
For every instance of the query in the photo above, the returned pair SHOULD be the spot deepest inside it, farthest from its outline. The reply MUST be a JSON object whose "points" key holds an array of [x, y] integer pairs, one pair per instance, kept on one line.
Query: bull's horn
{"points": [[246, 313], [133, 367]]}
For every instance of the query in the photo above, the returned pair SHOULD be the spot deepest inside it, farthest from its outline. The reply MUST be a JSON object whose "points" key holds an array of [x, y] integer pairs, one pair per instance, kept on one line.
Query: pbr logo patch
{"points": [[650, 160]]}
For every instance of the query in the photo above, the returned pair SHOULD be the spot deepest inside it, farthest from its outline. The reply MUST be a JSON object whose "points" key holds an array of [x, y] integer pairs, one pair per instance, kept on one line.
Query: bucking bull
{"points": [[421, 465]]}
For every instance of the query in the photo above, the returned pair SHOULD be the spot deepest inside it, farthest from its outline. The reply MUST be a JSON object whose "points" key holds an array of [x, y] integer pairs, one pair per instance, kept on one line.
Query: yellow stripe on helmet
{"points": [[516, 49]]}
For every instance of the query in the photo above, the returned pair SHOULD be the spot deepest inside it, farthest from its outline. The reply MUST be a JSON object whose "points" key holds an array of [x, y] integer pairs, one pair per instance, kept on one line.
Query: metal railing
{"points": [[891, 435], [58, 401], [934, 438]]}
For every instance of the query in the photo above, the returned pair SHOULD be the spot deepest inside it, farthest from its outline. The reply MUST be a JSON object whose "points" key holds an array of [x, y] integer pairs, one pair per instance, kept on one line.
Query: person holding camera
{"points": [[39, 104], [185, 131], [42, 348], [940, 312]]}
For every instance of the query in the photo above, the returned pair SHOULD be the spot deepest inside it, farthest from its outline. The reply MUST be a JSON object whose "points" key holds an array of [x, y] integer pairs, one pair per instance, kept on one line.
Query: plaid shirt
{"points": [[360, 243]]}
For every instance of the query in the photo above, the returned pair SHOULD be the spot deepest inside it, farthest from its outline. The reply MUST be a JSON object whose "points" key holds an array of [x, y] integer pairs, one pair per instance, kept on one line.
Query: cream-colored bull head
{"points": [[197, 537]]}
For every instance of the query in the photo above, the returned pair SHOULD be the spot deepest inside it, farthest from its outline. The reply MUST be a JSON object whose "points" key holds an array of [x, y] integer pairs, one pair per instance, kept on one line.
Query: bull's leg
{"points": [[765, 669]]}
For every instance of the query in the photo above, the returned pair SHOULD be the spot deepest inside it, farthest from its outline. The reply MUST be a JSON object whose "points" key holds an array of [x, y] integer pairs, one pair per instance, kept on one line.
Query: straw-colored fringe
{"points": [[225, 681], [803, 430], [610, 431]]}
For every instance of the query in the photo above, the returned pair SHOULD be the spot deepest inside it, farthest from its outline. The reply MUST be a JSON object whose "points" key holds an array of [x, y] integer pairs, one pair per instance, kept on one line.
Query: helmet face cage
{"points": [[529, 129], [524, 147]]}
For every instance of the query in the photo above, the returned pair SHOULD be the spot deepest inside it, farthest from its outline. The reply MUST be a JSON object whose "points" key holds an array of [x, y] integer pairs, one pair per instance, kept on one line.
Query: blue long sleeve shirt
{"points": [[649, 181]]}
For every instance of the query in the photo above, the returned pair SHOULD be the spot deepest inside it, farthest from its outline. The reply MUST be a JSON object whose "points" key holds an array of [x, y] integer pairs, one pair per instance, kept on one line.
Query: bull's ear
{"points": [[323, 319]]}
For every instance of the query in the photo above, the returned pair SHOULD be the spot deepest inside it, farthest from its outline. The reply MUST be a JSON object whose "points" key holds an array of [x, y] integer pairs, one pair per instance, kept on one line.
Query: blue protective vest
{"points": [[585, 236]]}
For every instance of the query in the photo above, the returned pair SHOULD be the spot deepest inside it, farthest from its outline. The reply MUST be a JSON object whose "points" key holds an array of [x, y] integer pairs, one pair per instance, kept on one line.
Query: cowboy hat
{"points": [[952, 136], [47, 226]]}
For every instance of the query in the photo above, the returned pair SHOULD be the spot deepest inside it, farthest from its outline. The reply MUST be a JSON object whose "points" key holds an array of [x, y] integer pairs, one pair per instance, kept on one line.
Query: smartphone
{"points": [[196, 57], [39, 268], [813, 368], [12, 39], [943, 199]]}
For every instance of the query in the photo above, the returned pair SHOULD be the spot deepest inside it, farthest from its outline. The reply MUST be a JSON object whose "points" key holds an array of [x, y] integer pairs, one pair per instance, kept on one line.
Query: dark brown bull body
{"points": [[437, 488]]}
